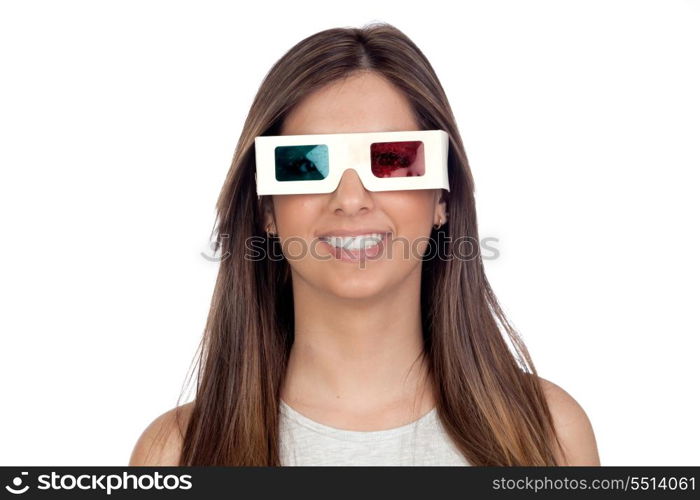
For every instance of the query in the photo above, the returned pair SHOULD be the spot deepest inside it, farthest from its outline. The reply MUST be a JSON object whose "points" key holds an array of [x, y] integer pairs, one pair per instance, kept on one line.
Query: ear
{"points": [[268, 215], [440, 207]]}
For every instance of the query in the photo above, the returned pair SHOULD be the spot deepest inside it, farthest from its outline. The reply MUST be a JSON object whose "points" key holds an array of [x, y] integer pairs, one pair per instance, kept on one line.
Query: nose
{"points": [[350, 196]]}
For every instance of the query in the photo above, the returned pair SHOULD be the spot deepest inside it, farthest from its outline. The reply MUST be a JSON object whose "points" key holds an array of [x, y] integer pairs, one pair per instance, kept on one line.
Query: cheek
{"points": [[410, 211], [295, 214], [411, 214]]}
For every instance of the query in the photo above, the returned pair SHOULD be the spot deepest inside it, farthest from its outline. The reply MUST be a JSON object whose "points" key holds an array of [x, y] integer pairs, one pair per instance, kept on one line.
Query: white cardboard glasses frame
{"points": [[352, 151]]}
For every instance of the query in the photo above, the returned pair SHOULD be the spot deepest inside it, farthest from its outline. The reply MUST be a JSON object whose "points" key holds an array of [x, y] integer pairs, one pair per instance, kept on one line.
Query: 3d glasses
{"points": [[384, 161]]}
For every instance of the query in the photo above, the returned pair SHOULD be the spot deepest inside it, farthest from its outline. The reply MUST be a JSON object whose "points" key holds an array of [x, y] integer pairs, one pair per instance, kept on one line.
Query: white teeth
{"points": [[358, 242]]}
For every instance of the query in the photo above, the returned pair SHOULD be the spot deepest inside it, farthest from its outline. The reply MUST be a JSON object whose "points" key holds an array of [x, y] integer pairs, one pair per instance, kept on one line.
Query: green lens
{"points": [[301, 163]]}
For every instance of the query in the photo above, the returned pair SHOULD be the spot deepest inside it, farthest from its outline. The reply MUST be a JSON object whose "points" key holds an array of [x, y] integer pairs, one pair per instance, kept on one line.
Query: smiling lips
{"points": [[357, 242], [363, 231], [356, 248]]}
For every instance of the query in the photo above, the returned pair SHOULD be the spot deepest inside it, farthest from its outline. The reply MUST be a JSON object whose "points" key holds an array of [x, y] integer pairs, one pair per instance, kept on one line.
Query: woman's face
{"points": [[364, 102]]}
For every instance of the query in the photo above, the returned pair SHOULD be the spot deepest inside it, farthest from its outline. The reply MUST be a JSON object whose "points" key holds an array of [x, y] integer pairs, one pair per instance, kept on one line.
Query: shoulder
{"points": [[572, 426], [160, 444]]}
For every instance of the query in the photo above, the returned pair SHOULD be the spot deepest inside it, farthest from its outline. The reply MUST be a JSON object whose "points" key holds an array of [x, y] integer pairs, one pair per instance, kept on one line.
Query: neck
{"points": [[358, 354]]}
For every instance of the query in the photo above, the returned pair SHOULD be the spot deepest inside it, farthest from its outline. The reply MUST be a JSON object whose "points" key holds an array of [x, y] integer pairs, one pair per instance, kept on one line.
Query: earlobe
{"points": [[268, 218], [269, 227], [441, 208]]}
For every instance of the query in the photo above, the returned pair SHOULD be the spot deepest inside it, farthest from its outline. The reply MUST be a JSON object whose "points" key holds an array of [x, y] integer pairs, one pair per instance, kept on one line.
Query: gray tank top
{"points": [[423, 442]]}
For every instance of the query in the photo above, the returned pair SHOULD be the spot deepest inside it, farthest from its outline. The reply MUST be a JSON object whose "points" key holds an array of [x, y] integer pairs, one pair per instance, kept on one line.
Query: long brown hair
{"points": [[489, 398]]}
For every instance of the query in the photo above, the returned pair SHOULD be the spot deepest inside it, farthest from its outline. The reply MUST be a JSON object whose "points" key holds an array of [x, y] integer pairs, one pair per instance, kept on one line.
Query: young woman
{"points": [[313, 359]]}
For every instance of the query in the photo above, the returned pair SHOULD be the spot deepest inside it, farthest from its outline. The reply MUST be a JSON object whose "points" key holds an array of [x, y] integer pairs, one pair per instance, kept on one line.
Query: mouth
{"points": [[356, 248], [355, 242]]}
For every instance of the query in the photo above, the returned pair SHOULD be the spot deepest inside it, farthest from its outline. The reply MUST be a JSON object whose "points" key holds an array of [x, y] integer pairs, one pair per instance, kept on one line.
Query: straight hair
{"points": [[489, 398]]}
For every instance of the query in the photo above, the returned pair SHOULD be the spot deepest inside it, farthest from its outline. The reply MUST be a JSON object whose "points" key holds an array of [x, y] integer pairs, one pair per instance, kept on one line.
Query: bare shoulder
{"points": [[572, 426], [160, 444]]}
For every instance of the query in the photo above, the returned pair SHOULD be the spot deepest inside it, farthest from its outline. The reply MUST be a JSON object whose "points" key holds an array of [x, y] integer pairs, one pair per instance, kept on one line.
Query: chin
{"points": [[362, 286]]}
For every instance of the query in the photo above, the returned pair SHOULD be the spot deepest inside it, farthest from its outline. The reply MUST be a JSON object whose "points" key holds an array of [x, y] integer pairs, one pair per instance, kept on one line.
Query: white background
{"points": [[118, 122]]}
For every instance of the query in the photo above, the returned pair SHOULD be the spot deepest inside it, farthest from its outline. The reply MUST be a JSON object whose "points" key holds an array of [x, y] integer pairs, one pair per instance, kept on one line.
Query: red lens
{"points": [[397, 159]]}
